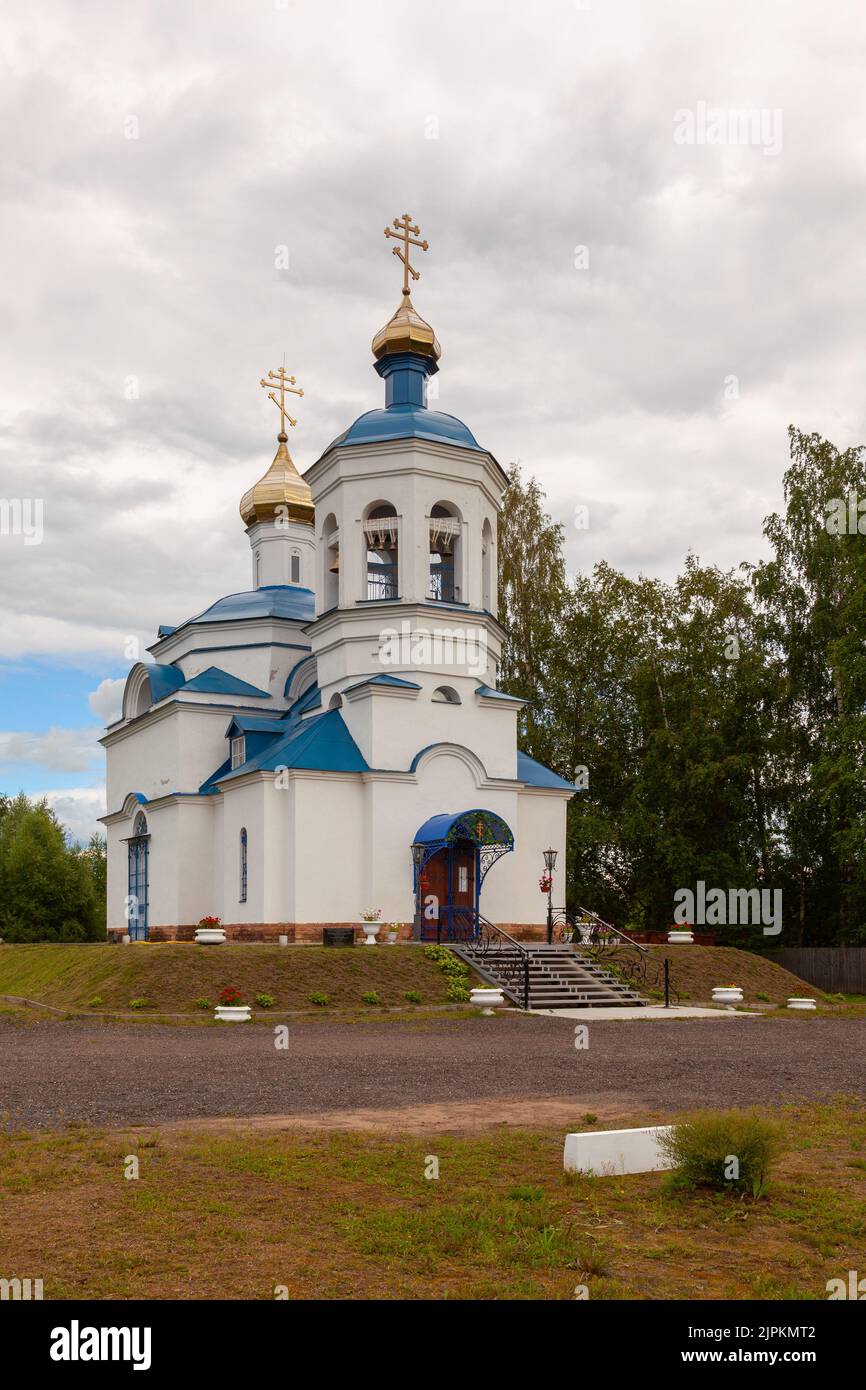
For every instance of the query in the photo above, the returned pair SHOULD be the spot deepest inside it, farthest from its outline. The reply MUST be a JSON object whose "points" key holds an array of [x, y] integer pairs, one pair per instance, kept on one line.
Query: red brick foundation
{"points": [[307, 933]]}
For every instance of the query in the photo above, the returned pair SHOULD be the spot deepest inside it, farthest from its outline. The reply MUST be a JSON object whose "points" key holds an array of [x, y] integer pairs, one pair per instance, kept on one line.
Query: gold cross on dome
{"points": [[408, 234], [281, 383]]}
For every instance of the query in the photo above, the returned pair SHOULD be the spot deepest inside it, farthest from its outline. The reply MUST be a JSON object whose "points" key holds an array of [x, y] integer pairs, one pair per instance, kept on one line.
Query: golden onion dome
{"points": [[406, 331], [282, 492]]}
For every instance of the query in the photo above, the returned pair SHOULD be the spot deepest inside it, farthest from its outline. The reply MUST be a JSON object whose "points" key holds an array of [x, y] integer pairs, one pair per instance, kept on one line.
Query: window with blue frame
{"points": [[243, 896]]}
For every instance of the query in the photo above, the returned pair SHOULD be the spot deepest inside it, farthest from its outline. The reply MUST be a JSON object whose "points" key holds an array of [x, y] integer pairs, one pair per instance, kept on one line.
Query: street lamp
{"points": [[549, 865]]}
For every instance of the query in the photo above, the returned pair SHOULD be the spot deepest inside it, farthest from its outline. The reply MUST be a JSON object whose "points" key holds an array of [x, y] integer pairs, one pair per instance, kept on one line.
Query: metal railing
{"points": [[506, 960]]}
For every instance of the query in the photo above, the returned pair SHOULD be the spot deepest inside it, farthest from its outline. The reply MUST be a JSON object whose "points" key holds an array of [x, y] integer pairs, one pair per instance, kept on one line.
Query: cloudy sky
{"points": [[647, 257]]}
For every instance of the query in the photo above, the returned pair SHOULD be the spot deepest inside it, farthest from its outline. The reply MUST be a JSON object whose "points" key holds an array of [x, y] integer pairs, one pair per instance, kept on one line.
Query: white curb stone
{"points": [[612, 1151]]}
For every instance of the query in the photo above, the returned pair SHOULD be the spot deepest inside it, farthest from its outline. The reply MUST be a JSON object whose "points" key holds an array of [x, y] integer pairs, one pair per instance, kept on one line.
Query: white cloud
{"points": [[106, 700], [77, 809], [61, 750]]}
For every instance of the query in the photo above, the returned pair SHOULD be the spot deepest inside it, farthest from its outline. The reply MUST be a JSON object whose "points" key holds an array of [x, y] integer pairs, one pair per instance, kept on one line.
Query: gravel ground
{"points": [[54, 1073]]}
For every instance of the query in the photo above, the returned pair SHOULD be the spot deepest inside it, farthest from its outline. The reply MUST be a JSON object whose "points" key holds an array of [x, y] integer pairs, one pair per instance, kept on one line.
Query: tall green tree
{"points": [[47, 887]]}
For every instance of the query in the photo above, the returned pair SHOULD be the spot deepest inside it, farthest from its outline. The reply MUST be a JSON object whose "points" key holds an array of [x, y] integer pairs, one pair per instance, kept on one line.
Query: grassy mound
{"points": [[695, 970], [172, 977]]}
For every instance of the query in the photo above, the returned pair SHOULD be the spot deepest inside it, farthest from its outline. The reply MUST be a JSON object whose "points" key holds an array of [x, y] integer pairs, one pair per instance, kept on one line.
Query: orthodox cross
{"points": [[281, 383], [408, 234]]}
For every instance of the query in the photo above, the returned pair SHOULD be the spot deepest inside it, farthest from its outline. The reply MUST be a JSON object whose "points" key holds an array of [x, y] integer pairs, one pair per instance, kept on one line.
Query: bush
{"points": [[140, 1004], [370, 997], [412, 996], [96, 1002], [265, 1001], [203, 1004], [458, 992], [317, 997], [730, 1150]]}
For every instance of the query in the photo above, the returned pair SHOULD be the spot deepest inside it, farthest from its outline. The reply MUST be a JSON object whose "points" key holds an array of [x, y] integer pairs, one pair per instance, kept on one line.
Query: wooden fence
{"points": [[836, 969]]}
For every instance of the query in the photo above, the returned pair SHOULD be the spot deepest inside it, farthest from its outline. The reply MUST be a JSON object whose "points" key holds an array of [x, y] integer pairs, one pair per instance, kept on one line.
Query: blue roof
{"points": [[214, 681], [395, 682], [484, 827], [255, 724], [537, 775], [490, 694], [164, 680], [322, 744], [407, 422], [287, 601]]}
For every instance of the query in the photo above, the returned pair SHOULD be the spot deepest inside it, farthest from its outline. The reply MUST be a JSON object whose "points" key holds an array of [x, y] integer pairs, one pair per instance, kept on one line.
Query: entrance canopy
{"points": [[487, 831]]}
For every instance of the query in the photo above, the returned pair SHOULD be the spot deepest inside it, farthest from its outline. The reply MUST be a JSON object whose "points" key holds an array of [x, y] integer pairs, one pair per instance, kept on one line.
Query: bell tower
{"points": [[407, 503]]}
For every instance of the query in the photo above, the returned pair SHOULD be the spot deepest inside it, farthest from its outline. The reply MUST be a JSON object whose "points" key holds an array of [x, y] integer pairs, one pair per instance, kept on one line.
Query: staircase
{"points": [[559, 977]]}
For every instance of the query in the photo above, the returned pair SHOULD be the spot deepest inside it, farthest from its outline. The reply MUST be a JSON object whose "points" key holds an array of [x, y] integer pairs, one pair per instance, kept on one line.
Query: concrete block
{"points": [[612, 1151]]}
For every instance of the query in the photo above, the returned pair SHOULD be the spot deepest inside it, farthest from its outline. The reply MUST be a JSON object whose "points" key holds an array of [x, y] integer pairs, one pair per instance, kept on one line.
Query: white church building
{"points": [[332, 739]]}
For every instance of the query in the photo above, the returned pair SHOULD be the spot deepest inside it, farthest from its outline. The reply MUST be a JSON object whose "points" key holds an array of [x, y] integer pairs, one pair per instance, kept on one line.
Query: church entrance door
{"points": [[448, 894]]}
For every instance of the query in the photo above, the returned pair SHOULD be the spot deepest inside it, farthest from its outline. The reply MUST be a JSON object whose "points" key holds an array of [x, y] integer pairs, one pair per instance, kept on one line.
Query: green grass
{"points": [[171, 977], [233, 1214]]}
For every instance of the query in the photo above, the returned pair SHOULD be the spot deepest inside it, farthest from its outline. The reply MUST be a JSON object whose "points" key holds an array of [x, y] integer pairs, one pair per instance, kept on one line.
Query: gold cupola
{"points": [[406, 331], [282, 493]]}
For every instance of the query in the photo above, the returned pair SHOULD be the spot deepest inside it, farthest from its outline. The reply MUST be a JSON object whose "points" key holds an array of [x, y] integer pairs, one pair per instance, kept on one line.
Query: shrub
{"points": [[765, 998], [96, 1002], [203, 1004], [317, 997], [265, 1001], [140, 1004], [458, 993], [590, 1117], [704, 1146], [412, 996], [370, 997]]}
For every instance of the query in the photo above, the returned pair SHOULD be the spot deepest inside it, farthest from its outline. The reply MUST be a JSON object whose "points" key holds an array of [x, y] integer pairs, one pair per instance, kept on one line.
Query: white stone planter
{"points": [[371, 931], [283, 940], [210, 936], [232, 1013], [801, 1002], [392, 938], [486, 999], [680, 938], [723, 995], [611, 1152]]}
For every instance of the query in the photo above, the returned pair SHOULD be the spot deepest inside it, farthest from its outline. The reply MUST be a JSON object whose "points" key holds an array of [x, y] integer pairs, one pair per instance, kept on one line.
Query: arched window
{"points": [[381, 545], [330, 551], [335, 702], [445, 533], [487, 599], [445, 695], [243, 847], [140, 827]]}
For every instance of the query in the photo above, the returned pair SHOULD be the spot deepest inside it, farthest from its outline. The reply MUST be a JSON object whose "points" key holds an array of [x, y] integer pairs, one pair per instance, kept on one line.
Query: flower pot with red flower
{"points": [[210, 932], [681, 936], [230, 1006]]}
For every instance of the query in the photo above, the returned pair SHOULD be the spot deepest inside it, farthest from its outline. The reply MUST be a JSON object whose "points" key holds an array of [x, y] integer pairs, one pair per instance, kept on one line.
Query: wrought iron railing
{"points": [[630, 961], [493, 950]]}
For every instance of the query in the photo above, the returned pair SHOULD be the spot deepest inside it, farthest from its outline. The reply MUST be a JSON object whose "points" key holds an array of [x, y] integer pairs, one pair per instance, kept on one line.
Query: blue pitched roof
{"points": [[407, 422], [215, 681], [490, 694], [394, 681], [287, 601], [321, 744], [256, 724], [537, 775]]}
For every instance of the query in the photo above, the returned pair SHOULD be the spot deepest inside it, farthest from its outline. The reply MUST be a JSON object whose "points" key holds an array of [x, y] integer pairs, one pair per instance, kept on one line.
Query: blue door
{"points": [[136, 902]]}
